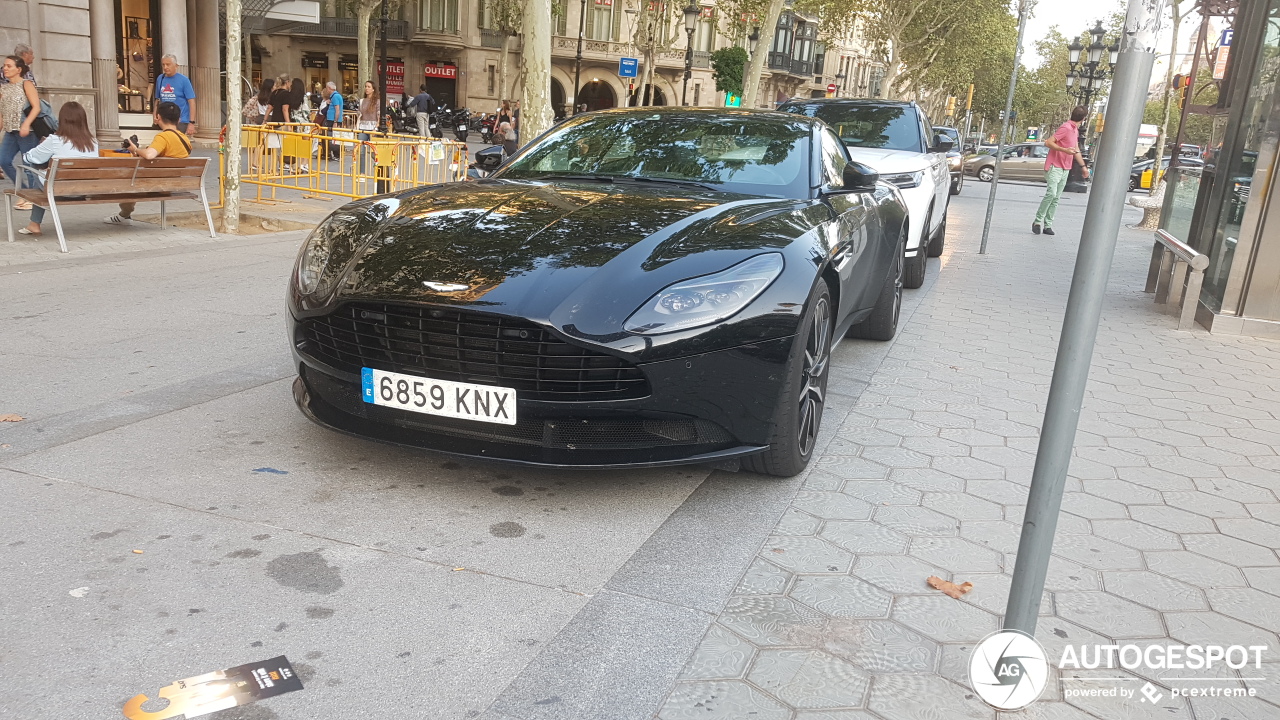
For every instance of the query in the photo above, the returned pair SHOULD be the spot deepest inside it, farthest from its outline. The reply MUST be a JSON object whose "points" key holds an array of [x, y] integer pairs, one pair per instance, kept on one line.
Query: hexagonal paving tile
{"points": [[935, 446], [1171, 519], [794, 522], [962, 506], [762, 578], [1236, 490], [1202, 503], [809, 679], [806, 554], [850, 467], [1134, 534], [1166, 707], [768, 620], [864, 537], [1092, 506], [1155, 479], [1108, 614], [834, 715], [991, 593], [1001, 492], [942, 618], [882, 492], [721, 700], [880, 646], [832, 505], [1230, 550], [841, 596], [927, 480], [1265, 579], [972, 437], [1252, 530], [721, 654], [1195, 569], [1247, 604], [999, 535], [920, 697], [1211, 628], [956, 555], [897, 573], [912, 520], [968, 468], [896, 457], [1097, 553], [1244, 708], [1154, 591]]}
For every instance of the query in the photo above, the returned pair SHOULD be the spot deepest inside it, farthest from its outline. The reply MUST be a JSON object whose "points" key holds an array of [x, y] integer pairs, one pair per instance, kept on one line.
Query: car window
{"points": [[1040, 151], [891, 127], [1015, 151], [834, 160], [745, 154]]}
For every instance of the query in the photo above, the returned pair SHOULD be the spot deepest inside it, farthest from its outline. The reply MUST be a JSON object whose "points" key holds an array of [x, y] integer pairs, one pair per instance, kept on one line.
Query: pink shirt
{"points": [[1066, 136]]}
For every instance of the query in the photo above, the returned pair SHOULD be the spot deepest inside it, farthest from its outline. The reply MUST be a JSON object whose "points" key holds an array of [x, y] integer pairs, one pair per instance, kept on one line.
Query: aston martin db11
{"points": [[636, 287]]}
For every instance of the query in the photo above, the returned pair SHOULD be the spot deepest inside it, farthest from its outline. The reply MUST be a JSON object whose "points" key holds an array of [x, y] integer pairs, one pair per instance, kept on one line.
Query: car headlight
{"points": [[324, 253], [904, 180], [706, 299], [955, 162]]}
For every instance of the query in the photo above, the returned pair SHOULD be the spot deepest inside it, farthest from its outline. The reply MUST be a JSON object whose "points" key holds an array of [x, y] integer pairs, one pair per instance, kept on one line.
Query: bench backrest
{"points": [[124, 176]]}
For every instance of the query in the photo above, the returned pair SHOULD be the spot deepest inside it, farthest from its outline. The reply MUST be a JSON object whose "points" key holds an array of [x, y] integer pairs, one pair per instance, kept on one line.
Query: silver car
{"points": [[1024, 161]]}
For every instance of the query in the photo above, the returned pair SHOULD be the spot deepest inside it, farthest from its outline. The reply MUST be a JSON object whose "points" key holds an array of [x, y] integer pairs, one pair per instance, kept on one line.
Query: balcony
{"points": [[790, 65], [491, 38], [593, 49], [342, 28]]}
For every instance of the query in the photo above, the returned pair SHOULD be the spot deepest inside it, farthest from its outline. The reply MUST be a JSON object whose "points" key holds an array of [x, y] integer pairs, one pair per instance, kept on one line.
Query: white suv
{"points": [[897, 140]]}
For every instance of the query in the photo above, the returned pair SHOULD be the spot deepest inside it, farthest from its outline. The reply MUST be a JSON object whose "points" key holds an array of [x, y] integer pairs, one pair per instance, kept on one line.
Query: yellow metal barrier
{"points": [[344, 163]]}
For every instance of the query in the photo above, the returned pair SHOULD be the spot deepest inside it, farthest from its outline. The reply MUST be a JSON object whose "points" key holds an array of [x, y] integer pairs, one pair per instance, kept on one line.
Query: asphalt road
{"points": [[168, 512]]}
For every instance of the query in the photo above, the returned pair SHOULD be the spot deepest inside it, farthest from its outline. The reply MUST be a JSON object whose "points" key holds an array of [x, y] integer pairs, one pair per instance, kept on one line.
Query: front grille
{"points": [[570, 433], [471, 347]]}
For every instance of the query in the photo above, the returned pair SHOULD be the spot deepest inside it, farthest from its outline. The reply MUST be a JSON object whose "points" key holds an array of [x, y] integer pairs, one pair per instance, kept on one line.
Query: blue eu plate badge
{"points": [[366, 381]]}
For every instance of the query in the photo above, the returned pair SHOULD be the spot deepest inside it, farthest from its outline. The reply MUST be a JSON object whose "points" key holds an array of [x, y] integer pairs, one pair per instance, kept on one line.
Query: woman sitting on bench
{"points": [[72, 140]]}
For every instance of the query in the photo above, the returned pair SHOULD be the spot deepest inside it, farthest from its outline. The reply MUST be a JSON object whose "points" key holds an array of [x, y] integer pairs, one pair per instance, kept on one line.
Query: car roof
{"points": [[705, 111], [854, 102]]}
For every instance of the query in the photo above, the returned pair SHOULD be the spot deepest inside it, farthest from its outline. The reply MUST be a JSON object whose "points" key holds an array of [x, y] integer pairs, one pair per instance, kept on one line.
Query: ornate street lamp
{"points": [[1086, 77], [577, 62], [691, 14], [840, 83], [753, 40]]}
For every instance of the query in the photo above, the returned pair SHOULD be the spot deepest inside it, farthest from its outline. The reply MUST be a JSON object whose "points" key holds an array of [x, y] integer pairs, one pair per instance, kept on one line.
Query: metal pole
{"points": [[1084, 309], [1004, 124], [688, 69], [577, 61], [382, 76], [1201, 41], [231, 149]]}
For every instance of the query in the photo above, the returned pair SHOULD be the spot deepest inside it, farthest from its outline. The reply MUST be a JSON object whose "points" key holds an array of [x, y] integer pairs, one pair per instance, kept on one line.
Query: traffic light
{"points": [[1181, 83], [951, 106], [1001, 114]]}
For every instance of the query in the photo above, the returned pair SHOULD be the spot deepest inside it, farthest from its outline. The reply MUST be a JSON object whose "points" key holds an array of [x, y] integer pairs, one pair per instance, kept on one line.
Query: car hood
{"points": [[580, 256], [890, 161]]}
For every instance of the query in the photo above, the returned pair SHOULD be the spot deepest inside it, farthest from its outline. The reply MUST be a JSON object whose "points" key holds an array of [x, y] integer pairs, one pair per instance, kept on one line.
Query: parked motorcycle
{"points": [[401, 124], [487, 124], [460, 122], [433, 123]]}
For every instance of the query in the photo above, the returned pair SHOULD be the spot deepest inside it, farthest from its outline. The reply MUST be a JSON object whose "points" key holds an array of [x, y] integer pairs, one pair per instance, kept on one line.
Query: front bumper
{"points": [[701, 408]]}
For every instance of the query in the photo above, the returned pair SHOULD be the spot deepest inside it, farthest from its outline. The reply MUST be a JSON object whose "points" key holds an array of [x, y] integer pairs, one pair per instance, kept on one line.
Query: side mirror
{"points": [[941, 144], [859, 177]]}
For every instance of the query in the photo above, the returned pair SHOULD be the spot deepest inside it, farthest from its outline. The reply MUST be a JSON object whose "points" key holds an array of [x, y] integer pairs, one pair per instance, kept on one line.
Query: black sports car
{"points": [[635, 287]]}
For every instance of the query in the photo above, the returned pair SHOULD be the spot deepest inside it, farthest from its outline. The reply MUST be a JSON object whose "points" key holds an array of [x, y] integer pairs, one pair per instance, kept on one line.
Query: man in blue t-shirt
{"points": [[172, 86], [331, 107]]}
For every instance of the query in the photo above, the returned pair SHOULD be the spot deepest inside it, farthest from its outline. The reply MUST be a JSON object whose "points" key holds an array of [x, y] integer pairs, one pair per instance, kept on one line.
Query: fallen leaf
{"points": [[779, 550], [946, 586], [78, 592], [11, 417], [137, 552], [458, 568]]}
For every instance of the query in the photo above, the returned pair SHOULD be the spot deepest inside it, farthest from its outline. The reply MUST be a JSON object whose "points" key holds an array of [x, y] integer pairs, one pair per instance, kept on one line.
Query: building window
{"points": [[704, 36], [602, 20], [493, 75], [440, 15], [697, 94], [560, 16]]}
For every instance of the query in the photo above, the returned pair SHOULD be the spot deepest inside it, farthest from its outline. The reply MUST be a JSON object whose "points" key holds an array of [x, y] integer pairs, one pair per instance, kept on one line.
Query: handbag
{"points": [[45, 123]]}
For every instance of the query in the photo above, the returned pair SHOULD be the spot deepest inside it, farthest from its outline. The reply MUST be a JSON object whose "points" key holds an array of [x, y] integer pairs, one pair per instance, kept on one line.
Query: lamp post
{"points": [[753, 41], [577, 61], [691, 13], [840, 83], [1085, 79]]}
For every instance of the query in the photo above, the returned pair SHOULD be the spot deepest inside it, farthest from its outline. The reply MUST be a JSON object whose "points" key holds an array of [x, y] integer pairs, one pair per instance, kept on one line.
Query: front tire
{"points": [[803, 398], [957, 185], [882, 323], [913, 273], [986, 174]]}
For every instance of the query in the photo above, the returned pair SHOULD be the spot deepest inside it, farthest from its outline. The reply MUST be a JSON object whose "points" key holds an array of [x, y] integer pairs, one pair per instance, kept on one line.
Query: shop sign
{"points": [[448, 72], [348, 62], [315, 60], [395, 76], [1224, 51]]}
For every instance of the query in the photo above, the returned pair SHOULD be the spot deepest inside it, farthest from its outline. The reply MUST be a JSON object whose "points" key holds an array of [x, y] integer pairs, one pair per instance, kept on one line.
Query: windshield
{"points": [[889, 127], [737, 153]]}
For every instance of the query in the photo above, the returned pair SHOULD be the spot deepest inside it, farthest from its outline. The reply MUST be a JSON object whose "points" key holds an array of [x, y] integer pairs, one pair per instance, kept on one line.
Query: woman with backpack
{"points": [[72, 140], [16, 95]]}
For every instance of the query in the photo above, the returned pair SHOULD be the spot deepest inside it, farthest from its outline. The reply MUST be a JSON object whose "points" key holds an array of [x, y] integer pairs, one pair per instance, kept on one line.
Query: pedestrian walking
{"points": [[504, 113], [72, 140], [332, 106], [423, 104], [24, 51], [1063, 151], [367, 121], [300, 109], [17, 94], [172, 86], [281, 96]]}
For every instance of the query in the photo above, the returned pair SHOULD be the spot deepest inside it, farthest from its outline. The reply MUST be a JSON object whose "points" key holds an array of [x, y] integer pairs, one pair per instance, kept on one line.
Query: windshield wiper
{"points": [[587, 178], [669, 181]]}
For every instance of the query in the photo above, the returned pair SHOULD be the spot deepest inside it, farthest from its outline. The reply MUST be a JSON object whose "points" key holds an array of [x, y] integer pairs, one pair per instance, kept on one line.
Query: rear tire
{"points": [[939, 240], [882, 323], [795, 430], [986, 174]]}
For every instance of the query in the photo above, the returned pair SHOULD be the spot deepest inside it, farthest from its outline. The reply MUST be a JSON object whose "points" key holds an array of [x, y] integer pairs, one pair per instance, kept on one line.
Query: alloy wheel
{"points": [[817, 358], [986, 173]]}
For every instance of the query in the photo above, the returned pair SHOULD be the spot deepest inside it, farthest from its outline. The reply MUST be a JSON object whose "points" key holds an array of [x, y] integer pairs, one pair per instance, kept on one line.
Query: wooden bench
{"points": [[99, 181]]}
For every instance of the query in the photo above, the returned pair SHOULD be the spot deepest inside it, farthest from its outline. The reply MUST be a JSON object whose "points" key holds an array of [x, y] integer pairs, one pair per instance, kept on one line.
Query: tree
{"points": [[727, 66], [504, 17], [536, 114], [928, 56], [648, 38], [365, 29], [1163, 133]]}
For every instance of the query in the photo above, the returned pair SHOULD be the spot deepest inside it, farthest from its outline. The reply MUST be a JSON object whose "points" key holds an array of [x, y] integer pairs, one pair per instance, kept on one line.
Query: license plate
{"points": [[462, 128], [484, 403]]}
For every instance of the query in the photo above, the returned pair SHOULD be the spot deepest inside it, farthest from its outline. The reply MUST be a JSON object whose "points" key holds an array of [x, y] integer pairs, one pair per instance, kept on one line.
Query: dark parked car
{"points": [[1136, 179], [955, 159], [635, 287]]}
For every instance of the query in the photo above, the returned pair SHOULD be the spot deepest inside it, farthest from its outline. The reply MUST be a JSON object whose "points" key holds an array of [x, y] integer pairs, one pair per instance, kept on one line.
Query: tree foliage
{"points": [[727, 66]]}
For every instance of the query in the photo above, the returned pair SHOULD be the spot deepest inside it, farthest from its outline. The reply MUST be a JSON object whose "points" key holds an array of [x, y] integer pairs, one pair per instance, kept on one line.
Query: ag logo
{"points": [[1008, 670]]}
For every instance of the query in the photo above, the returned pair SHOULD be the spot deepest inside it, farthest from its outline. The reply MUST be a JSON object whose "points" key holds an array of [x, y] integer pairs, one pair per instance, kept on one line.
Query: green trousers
{"points": [[1056, 179]]}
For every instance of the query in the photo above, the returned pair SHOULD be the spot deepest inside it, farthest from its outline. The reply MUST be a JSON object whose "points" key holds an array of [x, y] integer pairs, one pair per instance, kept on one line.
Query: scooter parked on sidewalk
{"points": [[460, 121]]}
